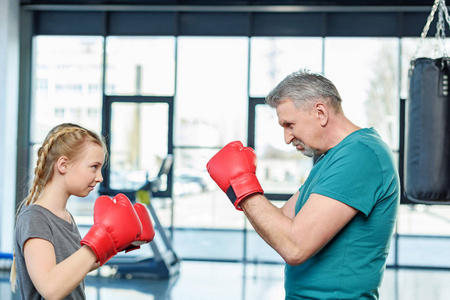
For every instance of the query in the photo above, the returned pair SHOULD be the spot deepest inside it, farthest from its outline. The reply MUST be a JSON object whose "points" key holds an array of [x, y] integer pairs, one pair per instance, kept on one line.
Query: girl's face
{"points": [[84, 173]]}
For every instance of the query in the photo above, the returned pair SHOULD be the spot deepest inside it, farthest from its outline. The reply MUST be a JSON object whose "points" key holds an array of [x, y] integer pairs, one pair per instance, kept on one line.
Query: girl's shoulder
{"points": [[33, 213], [28, 209]]}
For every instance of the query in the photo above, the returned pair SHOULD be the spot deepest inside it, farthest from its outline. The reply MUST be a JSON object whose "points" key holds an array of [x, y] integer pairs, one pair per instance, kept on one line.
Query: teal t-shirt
{"points": [[360, 171]]}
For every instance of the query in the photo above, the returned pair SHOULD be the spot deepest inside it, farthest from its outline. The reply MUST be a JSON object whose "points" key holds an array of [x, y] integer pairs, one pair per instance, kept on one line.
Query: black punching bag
{"points": [[427, 132]]}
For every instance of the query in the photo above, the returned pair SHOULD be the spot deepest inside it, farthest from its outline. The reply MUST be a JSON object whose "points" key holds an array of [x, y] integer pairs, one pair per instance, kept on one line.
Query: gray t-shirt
{"points": [[35, 221]]}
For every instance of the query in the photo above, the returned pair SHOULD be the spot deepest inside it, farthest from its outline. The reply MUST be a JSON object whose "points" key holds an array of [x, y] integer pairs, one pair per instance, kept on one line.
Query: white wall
{"points": [[9, 85]]}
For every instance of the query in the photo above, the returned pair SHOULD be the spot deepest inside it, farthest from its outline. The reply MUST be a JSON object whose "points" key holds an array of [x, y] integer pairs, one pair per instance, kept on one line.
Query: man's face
{"points": [[299, 126]]}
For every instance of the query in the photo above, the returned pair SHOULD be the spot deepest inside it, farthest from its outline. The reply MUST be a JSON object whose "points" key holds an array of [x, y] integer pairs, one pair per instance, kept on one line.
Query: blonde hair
{"points": [[63, 140]]}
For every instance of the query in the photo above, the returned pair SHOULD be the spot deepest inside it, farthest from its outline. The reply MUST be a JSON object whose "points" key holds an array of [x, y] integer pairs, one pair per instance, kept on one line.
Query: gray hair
{"points": [[304, 87]]}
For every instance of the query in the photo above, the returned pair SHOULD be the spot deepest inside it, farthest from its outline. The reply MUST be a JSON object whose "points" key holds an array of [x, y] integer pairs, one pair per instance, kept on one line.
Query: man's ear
{"points": [[62, 164], [322, 113]]}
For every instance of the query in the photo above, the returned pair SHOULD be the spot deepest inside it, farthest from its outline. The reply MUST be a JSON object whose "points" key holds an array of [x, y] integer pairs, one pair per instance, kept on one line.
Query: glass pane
{"points": [[424, 235], [140, 66], [67, 83], [281, 168], [422, 219], [198, 201], [365, 72], [272, 59], [209, 244], [211, 104], [139, 133]]}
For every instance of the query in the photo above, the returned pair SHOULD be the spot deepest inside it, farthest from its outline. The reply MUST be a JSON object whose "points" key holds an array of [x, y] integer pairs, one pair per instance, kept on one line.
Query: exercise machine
{"points": [[156, 259]]}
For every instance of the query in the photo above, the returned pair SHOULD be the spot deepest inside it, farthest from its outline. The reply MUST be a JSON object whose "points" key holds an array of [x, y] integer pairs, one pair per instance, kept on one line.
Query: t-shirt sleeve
{"points": [[354, 179], [33, 224]]}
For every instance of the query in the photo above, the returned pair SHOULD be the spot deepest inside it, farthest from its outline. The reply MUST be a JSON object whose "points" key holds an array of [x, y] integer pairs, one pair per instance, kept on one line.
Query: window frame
{"points": [[108, 101]]}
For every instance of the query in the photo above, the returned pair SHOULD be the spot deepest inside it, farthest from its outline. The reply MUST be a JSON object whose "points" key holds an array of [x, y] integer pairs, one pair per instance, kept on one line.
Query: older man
{"points": [[334, 232]]}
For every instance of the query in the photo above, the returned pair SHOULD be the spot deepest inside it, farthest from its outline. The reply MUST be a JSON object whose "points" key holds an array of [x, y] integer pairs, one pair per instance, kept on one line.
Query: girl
{"points": [[49, 260]]}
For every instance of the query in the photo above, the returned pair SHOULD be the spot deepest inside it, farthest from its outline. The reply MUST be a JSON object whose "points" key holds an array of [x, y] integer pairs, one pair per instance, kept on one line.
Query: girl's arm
{"points": [[51, 280], [95, 266]]}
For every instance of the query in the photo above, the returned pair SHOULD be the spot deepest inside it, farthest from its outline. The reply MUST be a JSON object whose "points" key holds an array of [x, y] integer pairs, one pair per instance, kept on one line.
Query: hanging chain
{"points": [[427, 27], [440, 30], [447, 17]]}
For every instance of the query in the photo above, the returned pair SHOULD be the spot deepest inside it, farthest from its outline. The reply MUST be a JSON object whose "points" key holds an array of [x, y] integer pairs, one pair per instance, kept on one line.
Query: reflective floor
{"points": [[220, 281]]}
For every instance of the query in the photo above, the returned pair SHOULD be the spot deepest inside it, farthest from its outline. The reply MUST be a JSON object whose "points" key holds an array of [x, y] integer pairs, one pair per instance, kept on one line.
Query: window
{"points": [[281, 169], [365, 72], [138, 143], [64, 65], [274, 58], [140, 66], [139, 87], [59, 112], [213, 81], [210, 111]]}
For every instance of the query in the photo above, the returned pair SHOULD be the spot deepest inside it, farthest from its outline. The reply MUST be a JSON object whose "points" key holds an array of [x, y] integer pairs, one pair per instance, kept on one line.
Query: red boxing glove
{"points": [[233, 169], [116, 226], [148, 233]]}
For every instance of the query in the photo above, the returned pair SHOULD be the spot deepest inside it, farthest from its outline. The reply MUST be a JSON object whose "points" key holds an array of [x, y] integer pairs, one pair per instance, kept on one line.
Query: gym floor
{"points": [[225, 281], [424, 261]]}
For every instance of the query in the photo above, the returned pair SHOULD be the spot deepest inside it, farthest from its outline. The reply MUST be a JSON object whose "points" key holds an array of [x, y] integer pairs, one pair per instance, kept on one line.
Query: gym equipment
{"points": [[156, 259], [427, 123]]}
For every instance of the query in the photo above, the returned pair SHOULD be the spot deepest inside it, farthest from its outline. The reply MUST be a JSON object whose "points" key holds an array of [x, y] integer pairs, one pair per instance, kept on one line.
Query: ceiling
{"points": [[239, 2]]}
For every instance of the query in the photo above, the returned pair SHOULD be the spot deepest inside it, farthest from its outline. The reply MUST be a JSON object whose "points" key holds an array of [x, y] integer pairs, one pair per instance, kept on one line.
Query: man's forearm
{"points": [[271, 224]]}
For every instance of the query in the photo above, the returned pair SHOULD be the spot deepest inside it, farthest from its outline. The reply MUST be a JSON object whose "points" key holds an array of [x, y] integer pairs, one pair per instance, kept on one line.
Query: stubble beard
{"points": [[307, 150]]}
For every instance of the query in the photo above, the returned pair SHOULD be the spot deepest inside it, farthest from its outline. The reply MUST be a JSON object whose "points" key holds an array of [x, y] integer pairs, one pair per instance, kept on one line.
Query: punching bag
{"points": [[427, 132]]}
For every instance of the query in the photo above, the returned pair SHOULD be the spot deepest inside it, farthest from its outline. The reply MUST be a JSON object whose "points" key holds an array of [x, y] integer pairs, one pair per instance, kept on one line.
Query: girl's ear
{"points": [[62, 164]]}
